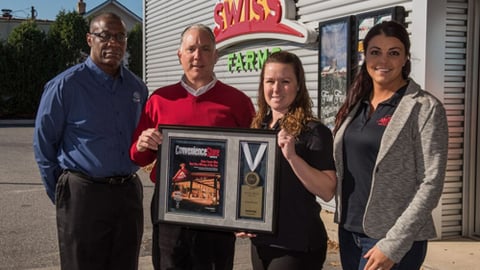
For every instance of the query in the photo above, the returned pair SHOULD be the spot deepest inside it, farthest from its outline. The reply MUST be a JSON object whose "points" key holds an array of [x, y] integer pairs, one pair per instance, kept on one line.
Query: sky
{"points": [[48, 9]]}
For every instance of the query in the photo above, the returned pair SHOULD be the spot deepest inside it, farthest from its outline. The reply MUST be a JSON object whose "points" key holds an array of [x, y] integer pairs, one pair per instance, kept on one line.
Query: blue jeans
{"points": [[353, 246]]}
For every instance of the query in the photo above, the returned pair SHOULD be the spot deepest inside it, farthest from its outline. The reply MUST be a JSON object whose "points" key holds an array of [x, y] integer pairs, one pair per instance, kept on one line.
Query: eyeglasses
{"points": [[105, 37]]}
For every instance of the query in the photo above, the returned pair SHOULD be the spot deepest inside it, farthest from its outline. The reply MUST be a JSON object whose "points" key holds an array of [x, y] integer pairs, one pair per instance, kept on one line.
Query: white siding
{"points": [[164, 21], [454, 100]]}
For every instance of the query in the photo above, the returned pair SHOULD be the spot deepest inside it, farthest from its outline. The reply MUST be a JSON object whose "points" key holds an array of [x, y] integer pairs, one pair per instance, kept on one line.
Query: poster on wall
{"points": [[365, 21], [335, 53]]}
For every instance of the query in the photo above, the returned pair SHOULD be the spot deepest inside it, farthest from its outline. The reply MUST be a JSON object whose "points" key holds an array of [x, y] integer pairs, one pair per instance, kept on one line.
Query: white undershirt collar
{"points": [[200, 91]]}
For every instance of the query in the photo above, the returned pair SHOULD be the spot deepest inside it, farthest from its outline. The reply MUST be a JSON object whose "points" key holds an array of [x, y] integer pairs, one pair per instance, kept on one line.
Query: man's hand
{"points": [[149, 139]]}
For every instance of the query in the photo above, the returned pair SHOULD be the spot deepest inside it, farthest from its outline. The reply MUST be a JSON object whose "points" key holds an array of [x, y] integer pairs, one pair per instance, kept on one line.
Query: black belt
{"points": [[113, 180]]}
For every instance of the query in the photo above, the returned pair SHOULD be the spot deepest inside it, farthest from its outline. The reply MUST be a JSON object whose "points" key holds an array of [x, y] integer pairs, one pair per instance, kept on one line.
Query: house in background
{"points": [[130, 18], [8, 22]]}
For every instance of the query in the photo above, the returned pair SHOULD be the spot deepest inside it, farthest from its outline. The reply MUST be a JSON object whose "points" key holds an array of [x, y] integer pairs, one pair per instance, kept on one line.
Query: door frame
{"points": [[471, 199]]}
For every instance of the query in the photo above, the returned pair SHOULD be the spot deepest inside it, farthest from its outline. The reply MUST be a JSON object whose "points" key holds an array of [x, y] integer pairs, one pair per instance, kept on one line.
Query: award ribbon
{"points": [[253, 164], [251, 202]]}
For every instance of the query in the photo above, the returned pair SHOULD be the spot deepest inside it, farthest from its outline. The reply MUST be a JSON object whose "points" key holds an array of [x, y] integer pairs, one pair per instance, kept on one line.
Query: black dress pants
{"points": [[100, 225], [272, 258], [178, 248]]}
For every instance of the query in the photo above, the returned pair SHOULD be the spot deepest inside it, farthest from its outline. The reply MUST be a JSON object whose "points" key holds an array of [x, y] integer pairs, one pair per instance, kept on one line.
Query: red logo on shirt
{"points": [[384, 121]]}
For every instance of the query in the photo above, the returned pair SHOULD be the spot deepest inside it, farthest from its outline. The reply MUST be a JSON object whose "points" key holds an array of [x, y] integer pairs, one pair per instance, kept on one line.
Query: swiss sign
{"points": [[241, 20]]}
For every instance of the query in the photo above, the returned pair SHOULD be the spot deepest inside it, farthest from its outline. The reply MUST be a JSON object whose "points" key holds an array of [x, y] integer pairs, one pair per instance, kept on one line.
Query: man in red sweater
{"points": [[199, 99]]}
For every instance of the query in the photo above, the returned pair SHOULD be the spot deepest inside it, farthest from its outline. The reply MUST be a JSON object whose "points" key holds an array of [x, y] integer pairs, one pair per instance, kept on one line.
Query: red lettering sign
{"points": [[238, 20], [213, 153]]}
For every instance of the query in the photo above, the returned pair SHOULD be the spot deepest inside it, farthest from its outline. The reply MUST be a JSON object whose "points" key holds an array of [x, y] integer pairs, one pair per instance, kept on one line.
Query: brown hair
{"points": [[362, 84], [300, 111]]}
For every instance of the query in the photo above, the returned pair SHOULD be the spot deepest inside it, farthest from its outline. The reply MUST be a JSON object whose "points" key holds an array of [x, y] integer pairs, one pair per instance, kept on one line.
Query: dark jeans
{"points": [[353, 246], [100, 225], [271, 258], [178, 248]]}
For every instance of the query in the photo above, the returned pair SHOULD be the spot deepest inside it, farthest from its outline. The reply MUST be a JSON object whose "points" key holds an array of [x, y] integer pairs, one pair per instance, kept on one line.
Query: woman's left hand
{"points": [[245, 235], [286, 143], [377, 260]]}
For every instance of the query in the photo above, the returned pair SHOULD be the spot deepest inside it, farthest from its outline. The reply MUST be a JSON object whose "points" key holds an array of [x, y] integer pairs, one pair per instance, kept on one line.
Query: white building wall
{"points": [[432, 51], [165, 20], [454, 89]]}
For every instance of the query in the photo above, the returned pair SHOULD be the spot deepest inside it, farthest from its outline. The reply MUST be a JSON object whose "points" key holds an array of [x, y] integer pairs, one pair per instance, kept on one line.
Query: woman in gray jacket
{"points": [[390, 148]]}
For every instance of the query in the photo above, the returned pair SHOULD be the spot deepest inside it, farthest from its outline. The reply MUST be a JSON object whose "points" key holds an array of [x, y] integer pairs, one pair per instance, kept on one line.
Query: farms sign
{"points": [[241, 20]]}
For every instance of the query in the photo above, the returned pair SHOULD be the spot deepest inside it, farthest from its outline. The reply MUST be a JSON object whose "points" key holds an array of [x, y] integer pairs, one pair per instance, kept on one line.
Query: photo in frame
{"points": [[365, 21], [217, 178], [335, 59]]}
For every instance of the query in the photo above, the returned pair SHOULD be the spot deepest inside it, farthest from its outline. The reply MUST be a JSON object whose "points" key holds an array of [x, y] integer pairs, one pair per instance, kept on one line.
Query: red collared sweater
{"points": [[221, 106]]}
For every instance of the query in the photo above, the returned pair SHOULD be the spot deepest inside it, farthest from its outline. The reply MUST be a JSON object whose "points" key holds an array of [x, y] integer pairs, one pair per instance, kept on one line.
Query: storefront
{"points": [[445, 61]]}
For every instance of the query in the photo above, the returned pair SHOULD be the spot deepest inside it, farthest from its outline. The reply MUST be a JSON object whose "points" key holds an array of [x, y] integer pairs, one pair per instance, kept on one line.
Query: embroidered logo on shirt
{"points": [[384, 120], [136, 97]]}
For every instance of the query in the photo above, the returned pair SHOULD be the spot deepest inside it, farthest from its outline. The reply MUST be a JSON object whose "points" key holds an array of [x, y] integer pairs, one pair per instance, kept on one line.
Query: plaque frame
{"points": [[209, 193]]}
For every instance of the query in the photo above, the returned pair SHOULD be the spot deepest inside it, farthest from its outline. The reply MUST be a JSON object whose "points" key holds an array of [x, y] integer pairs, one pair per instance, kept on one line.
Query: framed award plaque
{"points": [[218, 178]]}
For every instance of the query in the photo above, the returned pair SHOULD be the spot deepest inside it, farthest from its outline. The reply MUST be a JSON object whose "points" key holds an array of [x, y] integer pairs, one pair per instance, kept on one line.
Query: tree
{"points": [[31, 57], [135, 50], [7, 72], [67, 40], [26, 55]]}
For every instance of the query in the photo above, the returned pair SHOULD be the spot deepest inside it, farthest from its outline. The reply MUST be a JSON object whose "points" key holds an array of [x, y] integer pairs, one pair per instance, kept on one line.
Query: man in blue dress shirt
{"points": [[83, 131]]}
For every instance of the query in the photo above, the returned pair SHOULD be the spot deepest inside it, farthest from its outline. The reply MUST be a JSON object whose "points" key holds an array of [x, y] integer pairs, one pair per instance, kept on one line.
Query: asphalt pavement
{"points": [[28, 237]]}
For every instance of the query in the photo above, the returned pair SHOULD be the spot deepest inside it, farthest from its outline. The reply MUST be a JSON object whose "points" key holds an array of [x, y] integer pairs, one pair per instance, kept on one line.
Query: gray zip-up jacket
{"points": [[408, 175]]}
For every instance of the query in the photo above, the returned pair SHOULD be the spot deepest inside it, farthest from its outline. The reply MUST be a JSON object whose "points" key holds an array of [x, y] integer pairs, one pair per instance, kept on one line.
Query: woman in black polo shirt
{"points": [[391, 141], [306, 168]]}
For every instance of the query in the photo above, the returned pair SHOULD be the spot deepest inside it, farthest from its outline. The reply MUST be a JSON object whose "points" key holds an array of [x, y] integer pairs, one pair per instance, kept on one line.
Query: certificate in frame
{"points": [[217, 178]]}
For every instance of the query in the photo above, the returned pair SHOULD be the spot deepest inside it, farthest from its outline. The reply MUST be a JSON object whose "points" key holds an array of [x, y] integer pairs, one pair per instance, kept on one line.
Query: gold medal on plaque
{"points": [[252, 179], [251, 197]]}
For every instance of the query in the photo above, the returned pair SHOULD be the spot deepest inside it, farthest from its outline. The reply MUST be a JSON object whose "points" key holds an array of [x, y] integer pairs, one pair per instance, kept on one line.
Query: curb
{"points": [[17, 122]]}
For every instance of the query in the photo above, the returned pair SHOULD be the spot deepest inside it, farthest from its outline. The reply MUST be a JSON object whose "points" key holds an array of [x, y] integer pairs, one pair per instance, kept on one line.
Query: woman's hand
{"points": [[287, 144], [245, 235], [320, 183], [377, 260]]}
